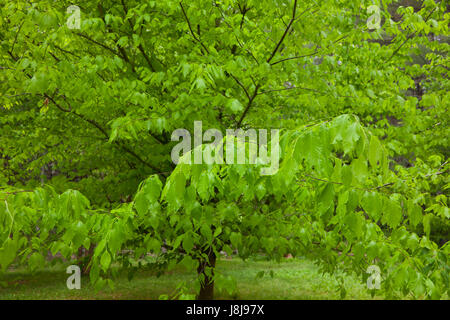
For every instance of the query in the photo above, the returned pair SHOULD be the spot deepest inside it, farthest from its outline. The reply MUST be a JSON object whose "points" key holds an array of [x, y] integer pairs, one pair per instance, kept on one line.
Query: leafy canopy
{"points": [[364, 146]]}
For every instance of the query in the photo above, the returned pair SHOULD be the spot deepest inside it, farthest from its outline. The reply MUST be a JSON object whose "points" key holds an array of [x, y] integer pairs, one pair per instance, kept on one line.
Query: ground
{"points": [[292, 279]]}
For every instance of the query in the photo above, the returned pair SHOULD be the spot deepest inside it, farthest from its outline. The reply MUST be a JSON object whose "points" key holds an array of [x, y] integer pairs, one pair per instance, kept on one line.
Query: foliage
{"points": [[363, 177]]}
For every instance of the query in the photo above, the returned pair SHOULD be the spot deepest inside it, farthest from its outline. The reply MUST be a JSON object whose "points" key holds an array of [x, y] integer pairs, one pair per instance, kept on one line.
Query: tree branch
{"points": [[140, 47], [241, 85], [249, 104], [190, 28], [292, 58], [285, 33], [118, 144], [15, 38], [409, 37]]}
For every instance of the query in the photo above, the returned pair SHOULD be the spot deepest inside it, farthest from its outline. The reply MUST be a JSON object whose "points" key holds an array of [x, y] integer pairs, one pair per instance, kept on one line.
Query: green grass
{"points": [[292, 279]]}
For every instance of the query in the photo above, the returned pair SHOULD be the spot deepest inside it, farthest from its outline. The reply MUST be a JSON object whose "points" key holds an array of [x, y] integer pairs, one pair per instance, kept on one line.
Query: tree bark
{"points": [[207, 286], [85, 257]]}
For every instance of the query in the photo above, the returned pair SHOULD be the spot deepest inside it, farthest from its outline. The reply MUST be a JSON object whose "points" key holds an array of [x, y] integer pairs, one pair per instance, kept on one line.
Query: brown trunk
{"points": [[88, 257], [207, 287]]}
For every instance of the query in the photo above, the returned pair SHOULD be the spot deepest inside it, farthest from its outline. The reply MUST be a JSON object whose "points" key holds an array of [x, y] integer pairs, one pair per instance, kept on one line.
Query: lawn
{"points": [[292, 279]]}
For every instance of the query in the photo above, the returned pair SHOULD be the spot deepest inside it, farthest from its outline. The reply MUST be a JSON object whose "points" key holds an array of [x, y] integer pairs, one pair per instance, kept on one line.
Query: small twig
{"points": [[241, 85], [244, 10], [287, 29], [285, 32], [408, 38], [291, 88], [15, 38], [292, 58], [249, 104]]}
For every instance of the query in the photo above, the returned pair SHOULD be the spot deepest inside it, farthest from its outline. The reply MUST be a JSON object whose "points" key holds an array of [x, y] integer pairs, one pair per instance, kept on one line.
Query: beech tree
{"points": [[87, 114]]}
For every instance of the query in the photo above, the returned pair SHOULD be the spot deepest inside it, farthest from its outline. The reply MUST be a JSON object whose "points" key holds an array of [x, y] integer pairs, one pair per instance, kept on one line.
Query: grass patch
{"points": [[294, 279]]}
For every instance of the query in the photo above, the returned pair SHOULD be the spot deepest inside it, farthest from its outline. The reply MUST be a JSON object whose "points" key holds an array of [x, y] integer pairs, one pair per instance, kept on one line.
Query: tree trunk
{"points": [[85, 257], [207, 287]]}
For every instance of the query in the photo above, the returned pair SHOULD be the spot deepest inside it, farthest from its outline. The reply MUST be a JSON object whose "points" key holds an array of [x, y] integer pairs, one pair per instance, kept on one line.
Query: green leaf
{"points": [[392, 213], [188, 262], [188, 242], [347, 175], [205, 230], [359, 169], [427, 224], [116, 239], [141, 203], [235, 239], [375, 152], [260, 191], [414, 213], [372, 203], [235, 105], [153, 245], [105, 260]]}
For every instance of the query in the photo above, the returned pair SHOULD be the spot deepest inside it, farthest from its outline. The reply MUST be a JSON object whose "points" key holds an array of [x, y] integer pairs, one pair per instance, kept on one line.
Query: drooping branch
{"points": [[118, 144]]}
